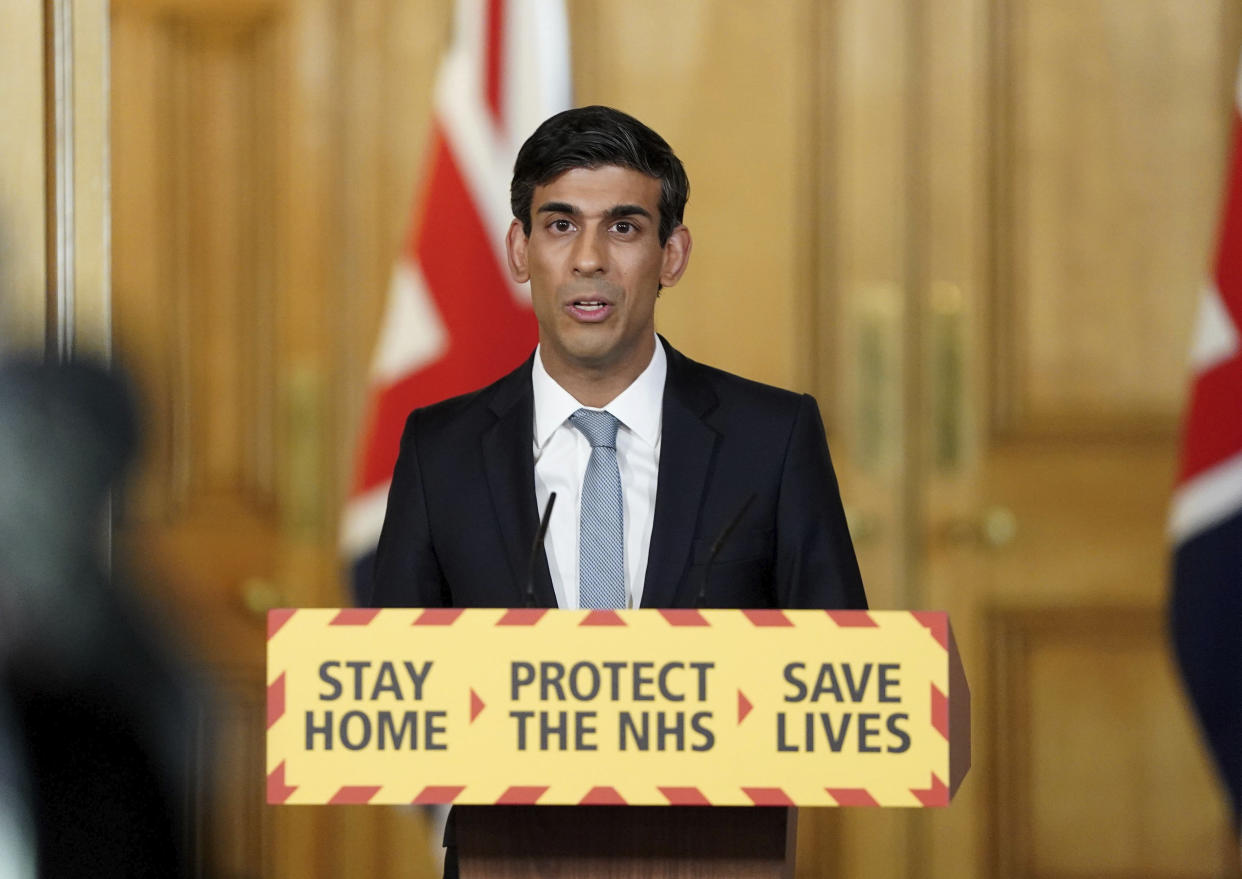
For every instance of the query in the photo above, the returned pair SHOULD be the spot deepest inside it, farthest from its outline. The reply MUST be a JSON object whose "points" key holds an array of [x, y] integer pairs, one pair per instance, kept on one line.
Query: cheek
{"points": [[542, 266], [651, 270], [543, 298]]}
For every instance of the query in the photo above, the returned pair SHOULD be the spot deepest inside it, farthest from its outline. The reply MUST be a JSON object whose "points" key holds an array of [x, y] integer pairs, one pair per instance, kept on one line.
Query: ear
{"points": [[515, 251], [676, 256]]}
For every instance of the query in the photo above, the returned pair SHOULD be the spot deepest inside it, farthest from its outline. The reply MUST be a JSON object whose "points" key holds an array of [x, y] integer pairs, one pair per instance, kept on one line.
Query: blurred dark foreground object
{"points": [[100, 715]]}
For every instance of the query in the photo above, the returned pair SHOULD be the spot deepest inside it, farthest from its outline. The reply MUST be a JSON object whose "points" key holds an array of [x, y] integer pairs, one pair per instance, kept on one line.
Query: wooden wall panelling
{"points": [[820, 832], [140, 268], [867, 284], [389, 55], [865, 294], [308, 275], [356, 135], [87, 222], [54, 234], [251, 195], [203, 137], [1115, 126], [1085, 484], [1090, 512], [195, 299], [1101, 778], [23, 182], [1090, 533], [238, 827], [952, 500]]}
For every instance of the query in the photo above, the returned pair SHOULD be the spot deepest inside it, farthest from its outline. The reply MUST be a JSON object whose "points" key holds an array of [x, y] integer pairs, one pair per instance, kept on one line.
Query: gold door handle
{"points": [[994, 528], [950, 403], [259, 595]]}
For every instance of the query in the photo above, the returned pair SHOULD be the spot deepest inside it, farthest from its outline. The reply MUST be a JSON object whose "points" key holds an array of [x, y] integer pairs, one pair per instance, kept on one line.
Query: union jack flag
{"points": [[1206, 517], [454, 321]]}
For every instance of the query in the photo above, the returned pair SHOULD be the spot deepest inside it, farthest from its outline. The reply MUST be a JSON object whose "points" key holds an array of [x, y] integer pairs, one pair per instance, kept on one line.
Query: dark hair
{"points": [[590, 137]]}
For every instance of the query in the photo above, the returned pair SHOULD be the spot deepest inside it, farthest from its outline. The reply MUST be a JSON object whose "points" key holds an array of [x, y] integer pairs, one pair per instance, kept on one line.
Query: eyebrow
{"points": [[613, 213]]}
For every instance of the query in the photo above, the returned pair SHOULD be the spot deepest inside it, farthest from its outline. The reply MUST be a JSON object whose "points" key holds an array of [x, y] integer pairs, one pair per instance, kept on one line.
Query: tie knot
{"points": [[600, 428]]}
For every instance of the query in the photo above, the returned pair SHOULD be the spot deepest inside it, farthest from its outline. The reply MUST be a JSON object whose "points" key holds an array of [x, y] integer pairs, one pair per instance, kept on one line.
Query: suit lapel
{"points": [[510, 467], [686, 447]]}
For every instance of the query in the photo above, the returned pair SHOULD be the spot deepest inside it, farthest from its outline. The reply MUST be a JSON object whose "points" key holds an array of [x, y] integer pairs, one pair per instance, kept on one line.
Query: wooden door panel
{"points": [[1114, 121], [1111, 784], [194, 298]]}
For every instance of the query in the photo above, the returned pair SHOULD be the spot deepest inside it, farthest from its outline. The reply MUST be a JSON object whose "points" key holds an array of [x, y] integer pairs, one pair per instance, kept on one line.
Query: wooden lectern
{"points": [[593, 842]]}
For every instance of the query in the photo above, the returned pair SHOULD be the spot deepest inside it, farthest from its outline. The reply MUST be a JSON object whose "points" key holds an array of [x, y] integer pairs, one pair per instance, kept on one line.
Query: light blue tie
{"points": [[601, 536]]}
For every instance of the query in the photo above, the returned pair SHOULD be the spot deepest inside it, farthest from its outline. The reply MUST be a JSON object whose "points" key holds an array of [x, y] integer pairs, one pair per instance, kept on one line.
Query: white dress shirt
{"points": [[561, 455]]}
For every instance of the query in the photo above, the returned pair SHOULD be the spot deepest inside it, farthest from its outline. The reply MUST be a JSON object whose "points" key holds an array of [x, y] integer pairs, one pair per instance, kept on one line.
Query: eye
{"points": [[624, 227], [562, 225]]}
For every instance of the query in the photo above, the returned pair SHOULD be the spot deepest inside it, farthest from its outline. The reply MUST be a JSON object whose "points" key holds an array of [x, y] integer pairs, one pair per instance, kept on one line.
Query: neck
{"points": [[595, 385]]}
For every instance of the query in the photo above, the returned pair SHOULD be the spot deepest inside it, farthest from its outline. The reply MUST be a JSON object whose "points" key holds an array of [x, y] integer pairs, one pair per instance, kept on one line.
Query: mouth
{"points": [[589, 310]]}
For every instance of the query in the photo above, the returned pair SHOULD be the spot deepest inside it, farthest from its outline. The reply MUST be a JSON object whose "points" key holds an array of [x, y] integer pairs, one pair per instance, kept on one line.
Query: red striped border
{"points": [[603, 796], [853, 619], [766, 618], [937, 622], [521, 796], [354, 795], [936, 795], [354, 616], [276, 620], [767, 796], [602, 618], [940, 711], [438, 616], [277, 791], [522, 616], [437, 795], [851, 796], [684, 796], [684, 617], [276, 700]]}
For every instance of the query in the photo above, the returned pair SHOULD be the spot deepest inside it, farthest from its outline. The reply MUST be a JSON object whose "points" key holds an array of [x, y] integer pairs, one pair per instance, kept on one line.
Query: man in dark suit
{"points": [[690, 452], [678, 484]]}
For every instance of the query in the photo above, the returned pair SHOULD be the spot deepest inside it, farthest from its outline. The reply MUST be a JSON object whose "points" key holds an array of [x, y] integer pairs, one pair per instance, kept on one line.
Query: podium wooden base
{"points": [[586, 842]]}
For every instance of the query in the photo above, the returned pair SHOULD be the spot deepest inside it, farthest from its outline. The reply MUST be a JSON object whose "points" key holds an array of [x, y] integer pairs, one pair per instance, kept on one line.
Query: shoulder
{"points": [[464, 416], [733, 396]]}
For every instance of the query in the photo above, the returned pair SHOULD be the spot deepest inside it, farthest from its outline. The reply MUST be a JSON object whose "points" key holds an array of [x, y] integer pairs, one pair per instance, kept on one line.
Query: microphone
{"points": [[720, 542], [536, 548]]}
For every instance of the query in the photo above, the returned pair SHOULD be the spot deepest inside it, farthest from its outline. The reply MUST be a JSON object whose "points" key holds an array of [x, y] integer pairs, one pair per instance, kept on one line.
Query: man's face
{"points": [[595, 264]]}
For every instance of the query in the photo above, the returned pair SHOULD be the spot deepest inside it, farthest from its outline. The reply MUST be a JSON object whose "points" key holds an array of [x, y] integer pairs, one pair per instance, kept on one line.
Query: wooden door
{"points": [[1110, 127], [237, 240], [1047, 176]]}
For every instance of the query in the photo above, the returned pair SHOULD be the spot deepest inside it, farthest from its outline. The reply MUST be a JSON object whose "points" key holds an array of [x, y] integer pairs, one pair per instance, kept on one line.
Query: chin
{"points": [[590, 345], [592, 358]]}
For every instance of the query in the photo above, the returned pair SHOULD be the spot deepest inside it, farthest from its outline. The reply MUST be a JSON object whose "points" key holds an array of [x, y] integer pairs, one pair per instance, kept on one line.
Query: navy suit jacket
{"points": [[462, 513]]}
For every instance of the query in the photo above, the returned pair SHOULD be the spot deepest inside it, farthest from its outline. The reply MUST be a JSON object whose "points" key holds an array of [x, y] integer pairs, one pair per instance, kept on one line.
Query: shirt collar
{"points": [[639, 407]]}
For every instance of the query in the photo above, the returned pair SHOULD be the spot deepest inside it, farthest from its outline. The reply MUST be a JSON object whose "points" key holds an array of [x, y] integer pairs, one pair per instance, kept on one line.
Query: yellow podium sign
{"points": [[644, 707]]}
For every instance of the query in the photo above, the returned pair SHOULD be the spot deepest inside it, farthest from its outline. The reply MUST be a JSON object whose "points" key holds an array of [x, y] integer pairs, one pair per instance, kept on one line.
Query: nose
{"points": [[590, 256]]}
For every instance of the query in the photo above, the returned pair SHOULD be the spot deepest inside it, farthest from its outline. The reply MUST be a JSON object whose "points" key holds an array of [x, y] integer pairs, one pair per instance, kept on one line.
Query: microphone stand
{"points": [[536, 548]]}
